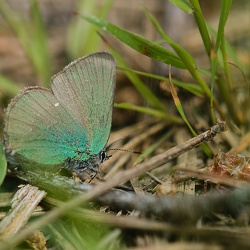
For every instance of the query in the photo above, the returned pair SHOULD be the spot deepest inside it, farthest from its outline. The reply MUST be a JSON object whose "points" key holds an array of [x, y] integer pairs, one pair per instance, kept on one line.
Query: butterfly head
{"points": [[87, 168]]}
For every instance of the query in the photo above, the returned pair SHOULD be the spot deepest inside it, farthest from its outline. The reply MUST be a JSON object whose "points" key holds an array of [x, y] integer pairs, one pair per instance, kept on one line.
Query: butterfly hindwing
{"points": [[40, 129]]}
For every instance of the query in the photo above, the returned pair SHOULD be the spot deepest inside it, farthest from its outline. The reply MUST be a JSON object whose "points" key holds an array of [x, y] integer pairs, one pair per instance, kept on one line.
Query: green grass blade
{"points": [[180, 109], [224, 86], [220, 39], [235, 58], [190, 87], [138, 42], [197, 13], [3, 164], [183, 5], [14, 21], [183, 54], [231, 52], [8, 87], [150, 111], [147, 94], [225, 63], [225, 8], [32, 37], [40, 54], [81, 37]]}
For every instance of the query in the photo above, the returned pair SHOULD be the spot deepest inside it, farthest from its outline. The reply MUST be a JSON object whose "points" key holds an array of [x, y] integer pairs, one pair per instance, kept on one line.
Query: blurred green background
{"points": [[38, 38]]}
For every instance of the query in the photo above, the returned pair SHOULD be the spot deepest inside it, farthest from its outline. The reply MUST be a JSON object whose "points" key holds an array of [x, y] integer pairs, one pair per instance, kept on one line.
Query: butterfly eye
{"points": [[103, 156]]}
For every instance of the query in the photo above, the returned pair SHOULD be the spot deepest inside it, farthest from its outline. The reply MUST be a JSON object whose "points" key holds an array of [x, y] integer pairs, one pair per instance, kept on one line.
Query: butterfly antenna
{"points": [[125, 150], [119, 149]]}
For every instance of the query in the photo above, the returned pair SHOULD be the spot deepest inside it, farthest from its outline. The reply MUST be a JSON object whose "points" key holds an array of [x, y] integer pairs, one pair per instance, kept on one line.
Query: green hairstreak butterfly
{"points": [[69, 123]]}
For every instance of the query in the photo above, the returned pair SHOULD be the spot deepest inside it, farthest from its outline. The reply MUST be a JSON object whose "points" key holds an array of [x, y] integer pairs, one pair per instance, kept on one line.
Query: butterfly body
{"points": [[89, 167], [69, 123]]}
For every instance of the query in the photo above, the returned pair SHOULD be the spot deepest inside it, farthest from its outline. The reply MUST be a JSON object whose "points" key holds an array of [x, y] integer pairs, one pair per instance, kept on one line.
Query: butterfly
{"points": [[68, 124]]}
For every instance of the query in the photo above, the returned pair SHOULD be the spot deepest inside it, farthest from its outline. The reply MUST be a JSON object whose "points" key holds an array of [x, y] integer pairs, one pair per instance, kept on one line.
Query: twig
{"points": [[214, 178]]}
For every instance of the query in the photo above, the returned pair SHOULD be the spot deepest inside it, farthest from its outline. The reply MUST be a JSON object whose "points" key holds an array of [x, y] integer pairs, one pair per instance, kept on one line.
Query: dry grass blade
{"points": [[242, 145]]}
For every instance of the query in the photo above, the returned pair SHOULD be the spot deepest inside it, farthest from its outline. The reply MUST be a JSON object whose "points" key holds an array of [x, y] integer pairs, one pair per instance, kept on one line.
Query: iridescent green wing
{"points": [[40, 129], [86, 89]]}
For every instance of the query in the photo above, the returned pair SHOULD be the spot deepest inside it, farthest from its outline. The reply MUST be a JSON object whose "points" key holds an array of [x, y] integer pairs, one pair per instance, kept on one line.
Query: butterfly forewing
{"points": [[86, 89], [51, 126]]}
